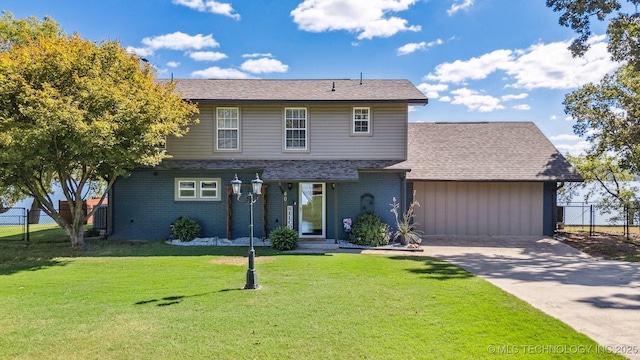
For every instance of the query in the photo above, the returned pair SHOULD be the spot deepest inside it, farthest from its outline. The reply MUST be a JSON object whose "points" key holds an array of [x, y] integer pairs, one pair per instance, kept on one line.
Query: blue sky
{"points": [[477, 60]]}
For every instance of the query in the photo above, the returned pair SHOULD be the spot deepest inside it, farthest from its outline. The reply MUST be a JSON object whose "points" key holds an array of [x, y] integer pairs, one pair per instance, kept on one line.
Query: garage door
{"points": [[480, 208]]}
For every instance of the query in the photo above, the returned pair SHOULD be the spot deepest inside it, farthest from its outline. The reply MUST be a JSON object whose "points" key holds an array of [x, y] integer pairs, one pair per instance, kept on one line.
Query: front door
{"points": [[312, 209]]}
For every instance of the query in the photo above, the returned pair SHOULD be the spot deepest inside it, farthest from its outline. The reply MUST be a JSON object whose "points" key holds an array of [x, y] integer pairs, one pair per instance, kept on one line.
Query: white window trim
{"points": [[306, 129], [202, 189], [369, 131], [197, 189], [179, 189], [217, 142]]}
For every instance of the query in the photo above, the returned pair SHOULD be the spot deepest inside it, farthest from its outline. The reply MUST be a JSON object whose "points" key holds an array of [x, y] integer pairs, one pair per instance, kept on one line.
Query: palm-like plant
{"points": [[406, 232]]}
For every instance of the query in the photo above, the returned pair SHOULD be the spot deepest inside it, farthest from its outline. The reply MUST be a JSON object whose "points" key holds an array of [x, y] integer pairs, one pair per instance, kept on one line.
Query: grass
{"points": [[149, 300], [605, 229]]}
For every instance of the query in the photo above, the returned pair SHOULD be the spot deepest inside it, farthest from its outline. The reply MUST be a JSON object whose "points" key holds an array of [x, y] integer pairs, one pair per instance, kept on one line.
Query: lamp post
{"points": [[256, 187]]}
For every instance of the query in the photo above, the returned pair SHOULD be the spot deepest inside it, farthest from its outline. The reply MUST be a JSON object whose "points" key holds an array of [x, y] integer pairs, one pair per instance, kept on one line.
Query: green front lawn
{"points": [[148, 300]]}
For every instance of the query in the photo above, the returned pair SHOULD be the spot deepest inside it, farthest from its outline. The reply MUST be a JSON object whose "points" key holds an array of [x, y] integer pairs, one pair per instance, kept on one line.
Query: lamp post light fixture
{"points": [[256, 187]]}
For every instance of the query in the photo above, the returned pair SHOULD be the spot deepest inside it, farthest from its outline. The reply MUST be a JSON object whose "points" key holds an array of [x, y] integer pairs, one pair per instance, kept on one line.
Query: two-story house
{"points": [[326, 150], [329, 150]]}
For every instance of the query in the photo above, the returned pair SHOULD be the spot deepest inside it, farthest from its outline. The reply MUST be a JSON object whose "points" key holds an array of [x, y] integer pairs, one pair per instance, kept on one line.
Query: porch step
{"points": [[317, 245]]}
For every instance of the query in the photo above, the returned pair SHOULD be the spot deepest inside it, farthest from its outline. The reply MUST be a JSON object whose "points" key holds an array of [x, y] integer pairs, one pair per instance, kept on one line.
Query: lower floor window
{"points": [[197, 189]]}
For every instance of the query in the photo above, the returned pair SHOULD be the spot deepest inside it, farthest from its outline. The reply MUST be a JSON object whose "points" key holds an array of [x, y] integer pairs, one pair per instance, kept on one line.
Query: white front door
{"points": [[312, 209]]}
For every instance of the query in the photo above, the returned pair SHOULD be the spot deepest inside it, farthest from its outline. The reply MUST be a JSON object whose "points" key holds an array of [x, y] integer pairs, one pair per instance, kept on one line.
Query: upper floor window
{"points": [[361, 121], [227, 128], [295, 128]]}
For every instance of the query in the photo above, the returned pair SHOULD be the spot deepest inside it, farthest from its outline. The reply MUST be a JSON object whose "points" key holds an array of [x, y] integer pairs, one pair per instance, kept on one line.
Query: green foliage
{"points": [[77, 112], [369, 230], [622, 29], [605, 180], [8, 197], [608, 113], [185, 229], [406, 231], [283, 238], [17, 31]]}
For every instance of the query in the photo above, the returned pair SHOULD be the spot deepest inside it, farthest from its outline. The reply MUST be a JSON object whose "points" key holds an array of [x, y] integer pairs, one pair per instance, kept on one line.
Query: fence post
{"points": [[626, 220], [591, 220], [27, 221]]}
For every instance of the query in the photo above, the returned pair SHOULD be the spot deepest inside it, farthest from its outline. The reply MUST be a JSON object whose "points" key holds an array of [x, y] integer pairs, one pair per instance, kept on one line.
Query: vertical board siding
{"points": [[480, 208], [329, 134]]}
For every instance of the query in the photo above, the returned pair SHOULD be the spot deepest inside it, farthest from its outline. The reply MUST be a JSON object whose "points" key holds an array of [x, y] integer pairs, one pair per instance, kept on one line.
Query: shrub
{"points": [[283, 238], [185, 229], [369, 230], [92, 232]]}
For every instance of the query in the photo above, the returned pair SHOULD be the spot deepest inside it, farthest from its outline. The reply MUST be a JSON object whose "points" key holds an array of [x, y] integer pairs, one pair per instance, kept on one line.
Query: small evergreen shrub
{"points": [[369, 230], [185, 229], [283, 238]]}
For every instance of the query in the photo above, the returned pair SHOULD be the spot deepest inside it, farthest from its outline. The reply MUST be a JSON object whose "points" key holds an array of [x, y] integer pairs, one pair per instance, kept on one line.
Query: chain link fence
{"points": [[594, 218]]}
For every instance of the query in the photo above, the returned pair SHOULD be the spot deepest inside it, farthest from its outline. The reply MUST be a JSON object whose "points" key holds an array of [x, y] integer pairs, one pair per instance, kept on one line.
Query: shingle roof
{"points": [[491, 151], [288, 170], [259, 90]]}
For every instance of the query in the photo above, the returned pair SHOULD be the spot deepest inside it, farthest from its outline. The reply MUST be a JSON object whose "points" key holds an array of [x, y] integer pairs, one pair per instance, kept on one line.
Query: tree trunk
{"points": [[76, 235], [34, 212]]}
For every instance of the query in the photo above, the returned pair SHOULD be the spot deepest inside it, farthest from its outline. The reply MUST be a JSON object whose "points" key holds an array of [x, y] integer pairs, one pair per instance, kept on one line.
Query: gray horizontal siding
{"points": [[329, 134]]}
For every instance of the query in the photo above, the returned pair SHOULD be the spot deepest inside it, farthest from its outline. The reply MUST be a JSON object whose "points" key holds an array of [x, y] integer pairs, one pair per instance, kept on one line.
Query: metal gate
{"points": [[14, 224]]}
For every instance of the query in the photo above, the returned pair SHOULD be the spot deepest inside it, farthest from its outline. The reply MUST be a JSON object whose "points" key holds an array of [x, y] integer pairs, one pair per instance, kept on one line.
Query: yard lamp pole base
{"points": [[252, 275]]}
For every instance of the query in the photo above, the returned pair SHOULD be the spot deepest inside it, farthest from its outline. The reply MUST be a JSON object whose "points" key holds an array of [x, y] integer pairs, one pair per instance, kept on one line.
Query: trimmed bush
{"points": [[369, 230], [185, 229], [283, 238]]}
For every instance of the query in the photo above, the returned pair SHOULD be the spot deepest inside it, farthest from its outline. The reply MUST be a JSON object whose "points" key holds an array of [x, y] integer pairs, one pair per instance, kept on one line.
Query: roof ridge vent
{"points": [[334, 86]]}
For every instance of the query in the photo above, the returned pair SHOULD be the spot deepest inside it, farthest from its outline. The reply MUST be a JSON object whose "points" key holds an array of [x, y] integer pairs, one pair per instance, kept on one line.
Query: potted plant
{"points": [[406, 232]]}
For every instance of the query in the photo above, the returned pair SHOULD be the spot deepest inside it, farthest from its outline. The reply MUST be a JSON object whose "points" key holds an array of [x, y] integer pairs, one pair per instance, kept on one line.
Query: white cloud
{"points": [[435, 42], [445, 99], [465, 4], [141, 52], [475, 101], [173, 64], [573, 149], [476, 68], [180, 41], [568, 118], [220, 73], [553, 117], [255, 55], [207, 55], [367, 18], [210, 6], [432, 91], [565, 137], [531, 68], [515, 97], [534, 70], [522, 107], [411, 47], [264, 65]]}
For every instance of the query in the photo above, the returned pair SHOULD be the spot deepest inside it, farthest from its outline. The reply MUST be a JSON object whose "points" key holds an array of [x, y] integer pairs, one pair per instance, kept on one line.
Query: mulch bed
{"points": [[601, 245]]}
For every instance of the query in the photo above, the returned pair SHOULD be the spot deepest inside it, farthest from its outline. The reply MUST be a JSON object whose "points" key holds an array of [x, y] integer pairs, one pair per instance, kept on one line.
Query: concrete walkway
{"points": [[598, 298]]}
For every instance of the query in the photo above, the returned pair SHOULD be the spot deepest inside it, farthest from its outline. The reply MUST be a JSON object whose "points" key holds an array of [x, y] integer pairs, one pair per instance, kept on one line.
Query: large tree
{"points": [[74, 112], [607, 113], [15, 31], [605, 181]]}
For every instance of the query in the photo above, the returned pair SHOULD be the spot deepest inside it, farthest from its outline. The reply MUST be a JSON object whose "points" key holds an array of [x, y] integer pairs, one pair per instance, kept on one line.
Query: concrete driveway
{"points": [[596, 297]]}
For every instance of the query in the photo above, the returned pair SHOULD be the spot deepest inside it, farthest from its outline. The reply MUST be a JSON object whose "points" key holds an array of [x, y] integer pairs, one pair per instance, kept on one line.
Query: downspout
{"points": [[334, 186], [284, 206]]}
